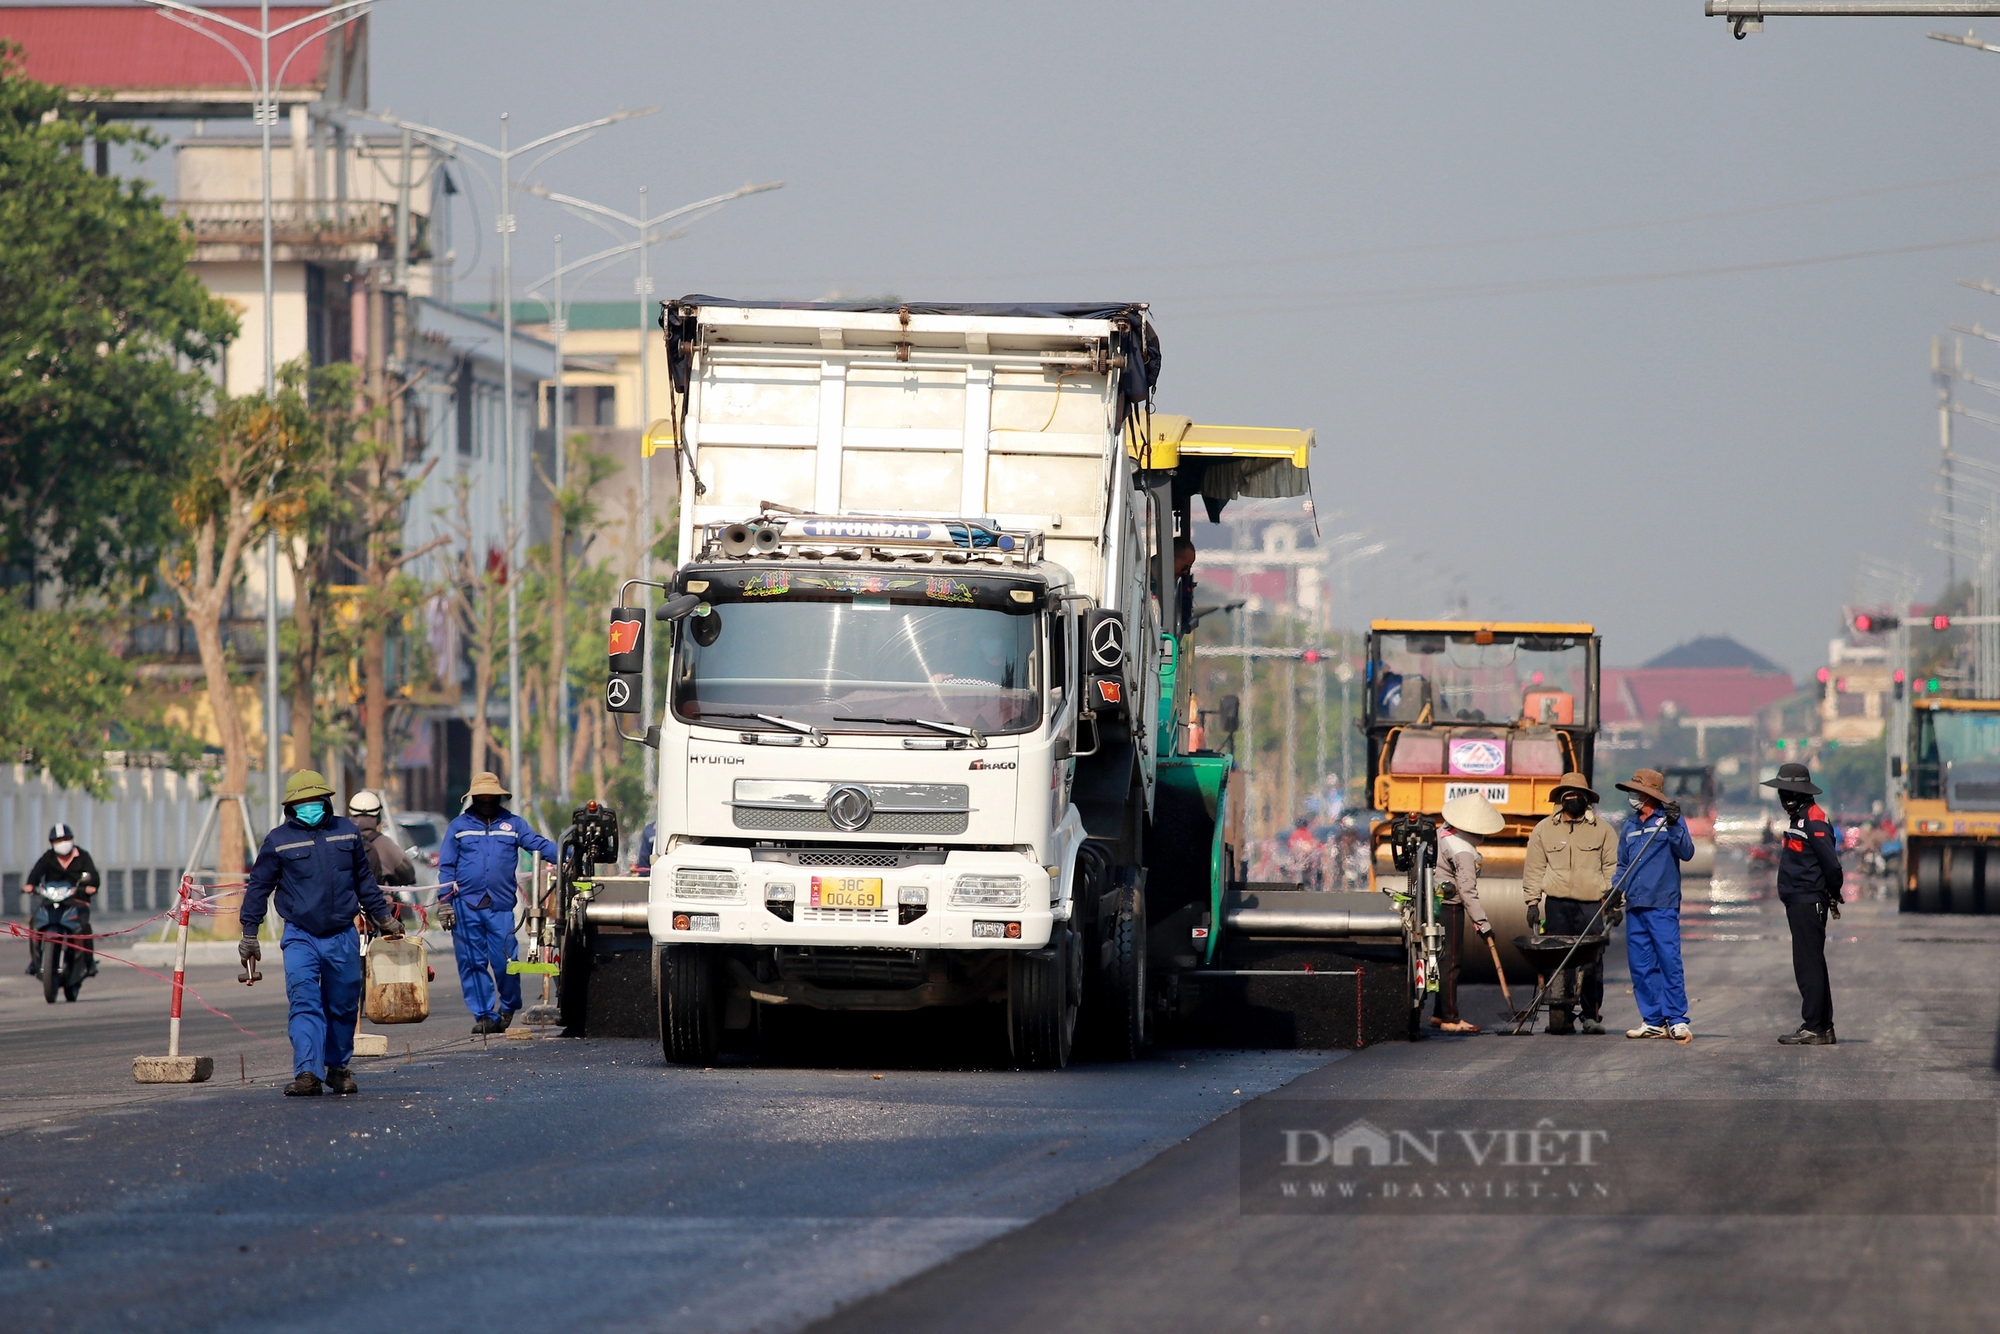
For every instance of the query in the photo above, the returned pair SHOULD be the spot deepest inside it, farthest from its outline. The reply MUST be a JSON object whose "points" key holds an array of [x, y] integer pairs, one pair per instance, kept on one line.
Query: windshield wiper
{"points": [[806, 729], [952, 728]]}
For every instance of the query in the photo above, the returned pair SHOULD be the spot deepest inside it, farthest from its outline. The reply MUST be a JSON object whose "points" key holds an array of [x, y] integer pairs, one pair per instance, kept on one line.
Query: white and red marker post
{"points": [[174, 1068]]}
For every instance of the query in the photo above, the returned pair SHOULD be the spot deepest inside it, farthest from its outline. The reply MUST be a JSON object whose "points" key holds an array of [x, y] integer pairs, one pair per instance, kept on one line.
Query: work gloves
{"points": [[1484, 929], [1614, 912], [1534, 919], [446, 917], [390, 927], [248, 949], [1672, 810]]}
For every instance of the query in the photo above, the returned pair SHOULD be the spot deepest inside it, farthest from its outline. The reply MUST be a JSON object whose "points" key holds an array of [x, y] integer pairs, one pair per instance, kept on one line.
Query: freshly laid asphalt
{"points": [[533, 1184], [551, 1184]]}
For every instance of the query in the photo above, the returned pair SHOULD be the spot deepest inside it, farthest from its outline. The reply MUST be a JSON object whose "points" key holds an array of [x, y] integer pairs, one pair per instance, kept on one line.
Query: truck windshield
{"points": [[1533, 679], [1946, 739], [806, 648]]}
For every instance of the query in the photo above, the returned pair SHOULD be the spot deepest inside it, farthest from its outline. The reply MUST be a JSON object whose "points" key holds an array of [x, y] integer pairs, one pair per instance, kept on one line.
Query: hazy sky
{"points": [[1464, 242]]}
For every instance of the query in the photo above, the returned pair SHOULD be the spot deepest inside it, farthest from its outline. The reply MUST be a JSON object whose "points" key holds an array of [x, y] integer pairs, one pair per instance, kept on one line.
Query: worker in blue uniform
{"points": [[479, 860], [1651, 847], [316, 864], [1809, 880]]}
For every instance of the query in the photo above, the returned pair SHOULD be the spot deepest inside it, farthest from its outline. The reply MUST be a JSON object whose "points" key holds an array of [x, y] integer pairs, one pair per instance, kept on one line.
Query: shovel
{"points": [[1500, 971]]}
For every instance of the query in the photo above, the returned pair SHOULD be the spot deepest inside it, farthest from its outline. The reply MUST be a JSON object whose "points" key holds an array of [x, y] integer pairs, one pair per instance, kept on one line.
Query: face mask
{"points": [[1795, 803], [1574, 805], [486, 807], [309, 813], [65, 848], [1636, 804]]}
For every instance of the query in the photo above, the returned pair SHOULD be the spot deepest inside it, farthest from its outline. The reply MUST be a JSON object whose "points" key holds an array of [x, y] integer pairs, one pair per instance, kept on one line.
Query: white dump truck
{"points": [[903, 738]]}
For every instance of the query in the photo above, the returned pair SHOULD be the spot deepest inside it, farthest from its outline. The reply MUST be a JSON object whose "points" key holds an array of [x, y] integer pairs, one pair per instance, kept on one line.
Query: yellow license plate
{"points": [[846, 892]]}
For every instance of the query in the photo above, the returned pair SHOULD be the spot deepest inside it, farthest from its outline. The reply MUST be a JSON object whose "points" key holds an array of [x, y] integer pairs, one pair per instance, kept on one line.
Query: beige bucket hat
{"points": [[486, 783]]}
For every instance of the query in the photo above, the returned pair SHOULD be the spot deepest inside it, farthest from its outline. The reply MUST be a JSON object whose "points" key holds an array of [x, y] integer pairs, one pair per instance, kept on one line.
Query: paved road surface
{"points": [[527, 1185], [1169, 1248]]}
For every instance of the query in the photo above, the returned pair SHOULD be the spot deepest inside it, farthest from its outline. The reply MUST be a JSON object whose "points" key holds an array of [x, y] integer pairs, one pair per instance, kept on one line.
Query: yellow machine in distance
{"points": [[1951, 808], [1500, 708]]}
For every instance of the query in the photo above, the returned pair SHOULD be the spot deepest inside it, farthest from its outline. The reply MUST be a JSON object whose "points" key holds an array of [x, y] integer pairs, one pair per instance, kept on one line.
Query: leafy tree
{"points": [[65, 696], [104, 334]]}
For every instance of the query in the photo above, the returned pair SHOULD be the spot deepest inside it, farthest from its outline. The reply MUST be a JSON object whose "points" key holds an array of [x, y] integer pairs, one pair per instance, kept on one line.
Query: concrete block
{"points": [[371, 1044], [172, 1069]]}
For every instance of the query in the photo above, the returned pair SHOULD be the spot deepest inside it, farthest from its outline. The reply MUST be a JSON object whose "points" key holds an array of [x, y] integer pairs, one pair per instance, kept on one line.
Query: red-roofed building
{"points": [[132, 62], [1708, 684]]}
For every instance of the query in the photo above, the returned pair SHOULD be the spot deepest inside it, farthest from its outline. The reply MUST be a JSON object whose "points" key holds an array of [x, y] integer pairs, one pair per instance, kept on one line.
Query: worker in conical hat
{"points": [[1469, 820]]}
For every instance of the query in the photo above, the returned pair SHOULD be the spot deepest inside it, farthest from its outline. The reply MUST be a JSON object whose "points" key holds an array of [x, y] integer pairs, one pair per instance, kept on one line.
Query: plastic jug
{"points": [[398, 988]]}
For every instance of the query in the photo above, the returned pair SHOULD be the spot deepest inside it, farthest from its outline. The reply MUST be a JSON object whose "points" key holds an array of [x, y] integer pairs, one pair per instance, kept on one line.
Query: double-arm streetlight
{"points": [[647, 236], [503, 156], [266, 108]]}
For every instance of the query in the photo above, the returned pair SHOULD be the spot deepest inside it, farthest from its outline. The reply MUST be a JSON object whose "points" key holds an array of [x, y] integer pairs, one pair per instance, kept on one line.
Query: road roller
{"points": [[1498, 708], [1951, 808]]}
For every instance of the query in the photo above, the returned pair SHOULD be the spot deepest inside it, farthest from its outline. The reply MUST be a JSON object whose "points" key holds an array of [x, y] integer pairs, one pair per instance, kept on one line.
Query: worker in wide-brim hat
{"points": [[1809, 881], [1565, 879], [1651, 847], [478, 870], [315, 863], [1469, 821]]}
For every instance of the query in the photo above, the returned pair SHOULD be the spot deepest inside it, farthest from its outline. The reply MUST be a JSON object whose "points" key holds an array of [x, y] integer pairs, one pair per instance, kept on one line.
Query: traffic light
{"points": [[1310, 655], [1931, 685], [1940, 622], [1899, 684], [1875, 622], [1825, 683]]}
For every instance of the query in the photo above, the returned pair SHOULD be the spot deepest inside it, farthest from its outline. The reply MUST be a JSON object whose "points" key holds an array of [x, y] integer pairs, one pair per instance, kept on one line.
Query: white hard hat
{"points": [[364, 802], [1473, 814]]}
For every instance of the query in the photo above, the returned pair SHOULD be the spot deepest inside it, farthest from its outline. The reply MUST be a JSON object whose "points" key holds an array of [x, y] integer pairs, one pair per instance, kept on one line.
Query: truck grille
{"points": [[812, 820]]}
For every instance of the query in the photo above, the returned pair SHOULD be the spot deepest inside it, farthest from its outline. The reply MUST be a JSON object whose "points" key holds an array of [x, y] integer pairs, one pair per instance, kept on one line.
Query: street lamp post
{"points": [[266, 109], [643, 287], [516, 500]]}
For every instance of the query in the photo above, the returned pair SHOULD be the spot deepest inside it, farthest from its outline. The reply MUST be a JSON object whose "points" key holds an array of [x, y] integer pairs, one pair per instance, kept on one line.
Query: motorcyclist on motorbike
{"points": [[64, 861]]}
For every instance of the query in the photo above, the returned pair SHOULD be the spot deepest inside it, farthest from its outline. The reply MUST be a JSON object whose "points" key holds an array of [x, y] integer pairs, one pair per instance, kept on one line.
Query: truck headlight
{"points": [[701, 883], [986, 891], [912, 896], [777, 893]]}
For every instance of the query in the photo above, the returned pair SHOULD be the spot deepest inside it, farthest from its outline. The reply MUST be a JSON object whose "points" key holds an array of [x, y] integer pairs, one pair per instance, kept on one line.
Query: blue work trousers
{"points": [[323, 984], [1653, 949], [483, 939]]}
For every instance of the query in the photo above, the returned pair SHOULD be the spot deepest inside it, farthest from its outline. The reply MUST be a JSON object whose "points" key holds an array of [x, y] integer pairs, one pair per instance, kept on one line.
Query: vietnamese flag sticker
{"points": [[625, 636]]}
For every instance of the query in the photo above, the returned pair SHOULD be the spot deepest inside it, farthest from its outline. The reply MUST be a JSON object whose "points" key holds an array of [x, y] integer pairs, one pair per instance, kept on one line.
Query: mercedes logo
{"points": [[617, 693], [1107, 642], [850, 807]]}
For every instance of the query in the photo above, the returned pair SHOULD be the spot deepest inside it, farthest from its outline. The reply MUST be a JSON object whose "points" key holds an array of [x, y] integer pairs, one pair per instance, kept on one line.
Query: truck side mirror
{"points": [[1232, 713], [677, 608], [1101, 649], [627, 645]]}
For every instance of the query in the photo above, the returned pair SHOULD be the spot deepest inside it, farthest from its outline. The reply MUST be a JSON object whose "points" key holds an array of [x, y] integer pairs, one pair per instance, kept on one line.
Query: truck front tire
{"points": [[1119, 1014], [1044, 988], [690, 1004]]}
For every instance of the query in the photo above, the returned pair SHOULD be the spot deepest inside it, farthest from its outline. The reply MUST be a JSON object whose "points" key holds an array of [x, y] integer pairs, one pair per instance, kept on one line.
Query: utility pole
{"points": [[1942, 379]]}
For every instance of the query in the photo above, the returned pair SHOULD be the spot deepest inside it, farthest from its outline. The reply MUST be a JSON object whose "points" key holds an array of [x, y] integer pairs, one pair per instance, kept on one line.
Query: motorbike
{"points": [[60, 912]]}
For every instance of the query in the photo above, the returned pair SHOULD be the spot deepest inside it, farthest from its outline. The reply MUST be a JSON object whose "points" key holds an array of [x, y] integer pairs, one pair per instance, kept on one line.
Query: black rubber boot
{"points": [[1805, 1037], [340, 1080], [506, 1020], [484, 1026], [305, 1085]]}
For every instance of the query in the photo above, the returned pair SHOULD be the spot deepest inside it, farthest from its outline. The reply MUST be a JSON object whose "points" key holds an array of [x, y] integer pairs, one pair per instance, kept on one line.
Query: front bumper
{"points": [[747, 920]]}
